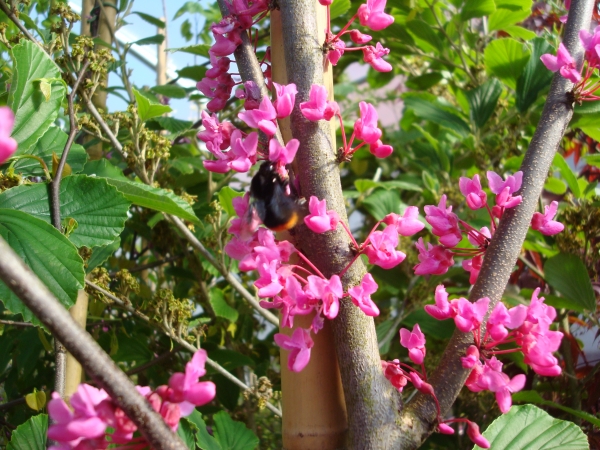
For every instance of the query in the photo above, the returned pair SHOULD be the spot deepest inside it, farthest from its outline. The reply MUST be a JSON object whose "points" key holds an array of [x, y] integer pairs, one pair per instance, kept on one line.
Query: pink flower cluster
{"points": [[370, 14], [297, 290], [586, 85], [399, 374], [365, 127], [93, 411], [7, 144], [436, 260], [527, 327]]}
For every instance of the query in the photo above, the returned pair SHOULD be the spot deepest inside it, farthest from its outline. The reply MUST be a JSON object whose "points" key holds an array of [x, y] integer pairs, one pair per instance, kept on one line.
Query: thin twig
{"points": [[9, 405], [4, 7], [16, 324], [220, 369]]}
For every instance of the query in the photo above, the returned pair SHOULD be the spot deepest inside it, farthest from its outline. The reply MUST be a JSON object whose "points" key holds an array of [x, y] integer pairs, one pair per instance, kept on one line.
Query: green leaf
{"points": [[231, 359], [535, 77], [195, 73], [381, 202], [226, 196], [477, 8], [53, 140], [506, 59], [567, 173], [509, 12], [425, 36], [436, 114], [33, 114], [535, 397], [425, 81], [99, 209], [186, 431], [173, 125], [147, 110], [104, 169], [169, 90], [150, 19], [198, 49], [48, 253], [439, 329], [529, 427], [339, 8], [190, 7], [555, 186], [101, 254], [155, 198], [593, 160], [518, 32], [221, 307], [30, 435], [483, 100], [203, 437], [567, 274], [157, 39], [233, 435]]}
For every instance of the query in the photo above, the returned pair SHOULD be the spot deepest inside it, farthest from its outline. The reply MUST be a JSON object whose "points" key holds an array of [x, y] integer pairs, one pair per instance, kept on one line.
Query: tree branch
{"points": [[9, 13], [420, 415], [99, 366]]}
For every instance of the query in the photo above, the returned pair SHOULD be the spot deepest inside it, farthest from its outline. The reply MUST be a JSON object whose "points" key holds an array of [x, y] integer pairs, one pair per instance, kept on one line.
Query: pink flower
{"points": [[442, 309], [365, 127], [216, 135], [243, 151], [469, 315], [502, 318], [318, 107], [497, 184], [269, 283], [328, 291], [335, 53], [444, 223], [445, 428], [371, 15], [381, 248], [435, 260], [262, 118], [414, 341], [408, 224], [471, 189], [471, 358], [286, 98], [283, 155], [562, 62], [500, 383], [544, 223], [380, 150], [299, 345], [187, 390], [319, 220], [394, 374], [247, 222], [476, 436], [361, 295], [421, 385], [250, 93], [473, 266], [7, 144], [225, 45], [359, 38], [219, 65], [591, 44], [325, 2], [373, 56]]}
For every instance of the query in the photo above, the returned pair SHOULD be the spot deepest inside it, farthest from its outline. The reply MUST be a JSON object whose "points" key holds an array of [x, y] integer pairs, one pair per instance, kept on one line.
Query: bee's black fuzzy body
{"points": [[277, 210]]}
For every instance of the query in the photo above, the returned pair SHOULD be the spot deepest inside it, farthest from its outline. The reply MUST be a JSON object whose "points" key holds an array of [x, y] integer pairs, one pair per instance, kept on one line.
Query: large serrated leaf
{"points": [[482, 101], [233, 435], [535, 77], [477, 8], [33, 114], [535, 397], [437, 114], [47, 252], [509, 12], [505, 59], [53, 140], [99, 209], [30, 435], [529, 427], [154, 198], [204, 439], [568, 274], [220, 306]]}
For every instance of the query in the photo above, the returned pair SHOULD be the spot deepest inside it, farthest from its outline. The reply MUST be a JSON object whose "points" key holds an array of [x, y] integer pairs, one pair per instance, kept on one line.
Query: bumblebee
{"points": [[275, 203]]}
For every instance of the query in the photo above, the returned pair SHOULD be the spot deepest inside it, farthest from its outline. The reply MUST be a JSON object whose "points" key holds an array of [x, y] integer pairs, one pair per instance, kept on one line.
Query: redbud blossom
{"points": [[420, 385], [380, 150], [371, 15], [325, 2], [445, 429], [299, 345], [498, 382], [320, 219], [329, 291], [285, 99], [185, 387], [470, 315], [361, 295], [283, 155], [441, 310], [381, 248], [473, 266], [373, 56], [262, 118], [471, 189], [243, 151], [359, 38], [544, 223], [497, 184], [475, 435], [591, 44], [7, 144], [502, 318], [408, 224], [472, 357], [394, 374], [366, 126], [563, 62], [444, 223], [435, 260], [336, 52], [414, 341], [317, 107]]}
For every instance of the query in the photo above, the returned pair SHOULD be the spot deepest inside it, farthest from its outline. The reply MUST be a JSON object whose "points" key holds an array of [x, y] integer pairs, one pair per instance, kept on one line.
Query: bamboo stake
{"points": [[314, 411]]}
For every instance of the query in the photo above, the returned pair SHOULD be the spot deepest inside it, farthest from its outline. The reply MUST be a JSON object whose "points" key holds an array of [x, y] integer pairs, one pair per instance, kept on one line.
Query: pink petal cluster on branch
{"points": [[7, 144]]}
